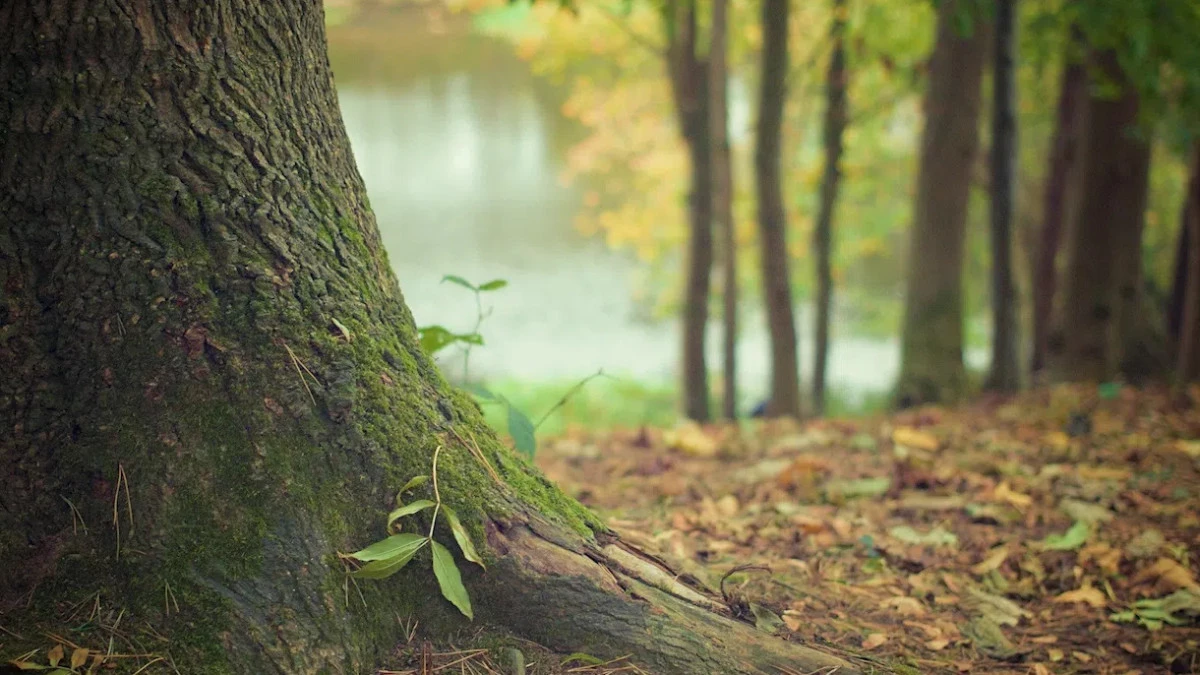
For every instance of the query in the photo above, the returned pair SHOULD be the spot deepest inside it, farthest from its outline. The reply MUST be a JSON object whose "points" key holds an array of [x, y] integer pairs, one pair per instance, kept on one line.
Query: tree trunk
{"points": [[932, 342], [835, 127], [1059, 180], [772, 219], [722, 196], [1187, 366], [213, 385], [689, 85], [1086, 343], [1005, 372]]}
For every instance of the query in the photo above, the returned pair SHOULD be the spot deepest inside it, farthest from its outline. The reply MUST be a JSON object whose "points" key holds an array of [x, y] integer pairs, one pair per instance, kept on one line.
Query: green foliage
{"points": [[1177, 609], [388, 556]]}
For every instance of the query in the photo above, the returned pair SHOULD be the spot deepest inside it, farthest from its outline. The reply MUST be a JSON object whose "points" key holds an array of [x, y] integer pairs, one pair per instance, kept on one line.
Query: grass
{"points": [[608, 403]]}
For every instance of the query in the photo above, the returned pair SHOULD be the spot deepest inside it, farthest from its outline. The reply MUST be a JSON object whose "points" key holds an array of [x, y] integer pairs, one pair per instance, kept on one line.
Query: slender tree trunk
{"points": [[212, 384], [932, 342], [1086, 344], [772, 218], [1059, 180], [723, 202], [1187, 367], [1005, 371], [835, 126], [689, 84]]}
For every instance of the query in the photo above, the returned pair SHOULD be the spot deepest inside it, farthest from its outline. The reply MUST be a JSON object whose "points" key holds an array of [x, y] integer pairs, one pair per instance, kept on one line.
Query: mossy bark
{"points": [[931, 367], [212, 384]]}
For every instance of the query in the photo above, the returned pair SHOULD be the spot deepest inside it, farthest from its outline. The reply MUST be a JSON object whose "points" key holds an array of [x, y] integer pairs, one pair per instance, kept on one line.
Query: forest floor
{"points": [[1055, 533]]}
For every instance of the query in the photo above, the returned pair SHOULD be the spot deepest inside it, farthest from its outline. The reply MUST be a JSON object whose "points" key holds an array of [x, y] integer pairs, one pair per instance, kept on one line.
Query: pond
{"points": [[461, 148]]}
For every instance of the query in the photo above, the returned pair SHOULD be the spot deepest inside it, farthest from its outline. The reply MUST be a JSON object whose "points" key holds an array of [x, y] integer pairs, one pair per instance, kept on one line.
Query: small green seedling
{"points": [[388, 556]]}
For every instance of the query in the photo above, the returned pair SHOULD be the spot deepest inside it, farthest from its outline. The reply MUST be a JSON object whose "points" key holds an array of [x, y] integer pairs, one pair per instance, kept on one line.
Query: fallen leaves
{"points": [[959, 538]]}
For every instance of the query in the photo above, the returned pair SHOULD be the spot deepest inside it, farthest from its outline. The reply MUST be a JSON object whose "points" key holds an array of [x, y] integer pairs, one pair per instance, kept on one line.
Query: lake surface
{"points": [[461, 149]]}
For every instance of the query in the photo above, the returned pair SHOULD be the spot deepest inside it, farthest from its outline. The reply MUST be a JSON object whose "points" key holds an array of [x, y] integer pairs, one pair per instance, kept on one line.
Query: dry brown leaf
{"points": [[1087, 595], [793, 620], [874, 640], [55, 655], [904, 606], [1040, 669], [78, 658], [909, 437]]}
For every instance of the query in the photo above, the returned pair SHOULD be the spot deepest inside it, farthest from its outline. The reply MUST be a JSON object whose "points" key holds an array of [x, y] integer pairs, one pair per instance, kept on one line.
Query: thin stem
{"points": [[437, 497], [565, 397]]}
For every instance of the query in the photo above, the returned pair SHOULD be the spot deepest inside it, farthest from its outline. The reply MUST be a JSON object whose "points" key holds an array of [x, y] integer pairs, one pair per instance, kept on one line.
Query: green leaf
{"points": [[395, 545], [521, 430], [1072, 539], [1109, 390], [449, 580], [408, 509], [413, 483], [585, 659], [461, 536], [493, 285], [484, 393], [435, 338], [382, 569], [455, 279]]}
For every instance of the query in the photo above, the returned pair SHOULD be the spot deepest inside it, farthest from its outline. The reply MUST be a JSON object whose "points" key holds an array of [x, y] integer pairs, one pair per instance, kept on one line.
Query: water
{"points": [[461, 149]]}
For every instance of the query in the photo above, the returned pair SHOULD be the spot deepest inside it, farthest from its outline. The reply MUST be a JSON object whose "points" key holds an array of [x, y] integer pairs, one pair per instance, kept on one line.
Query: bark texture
{"points": [[689, 84], [1102, 285], [836, 115], [722, 196], [1056, 200], [1004, 375], [772, 218], [212, 383], [932, 342]]}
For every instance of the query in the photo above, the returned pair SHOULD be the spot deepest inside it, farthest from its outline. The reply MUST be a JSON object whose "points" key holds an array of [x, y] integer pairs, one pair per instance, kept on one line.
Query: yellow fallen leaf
{"points": [[874, 640], [78, 658], [1040, 669], [912, 438], [1005, 493], [1057, 440], [1171, 572], [937, 645], [1055, 655], [904, 605], [793, 619], [55, 654], [993, 562], [1087, 595], [690, 439]]}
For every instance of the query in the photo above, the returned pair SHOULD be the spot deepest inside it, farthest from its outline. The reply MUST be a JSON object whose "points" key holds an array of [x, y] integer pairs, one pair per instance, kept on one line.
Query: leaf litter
{"points": [[1057, 532]]}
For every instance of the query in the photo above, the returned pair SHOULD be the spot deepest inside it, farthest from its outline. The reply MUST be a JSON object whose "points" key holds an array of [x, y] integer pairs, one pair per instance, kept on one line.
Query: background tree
{"points": [[1187, 276], [932, 339], [1115, 165], [1005, 371], [722, 163], [1057, 193], [784, 396], [213, 384], [689, 85], [834, 128]]}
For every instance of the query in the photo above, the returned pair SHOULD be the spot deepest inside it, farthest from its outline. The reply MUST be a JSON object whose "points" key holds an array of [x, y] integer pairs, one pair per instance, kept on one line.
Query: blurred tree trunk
{"points": [[772, 218], [836, 84], [932, 343], [689, 85], [723, 203], [1057, 200], [1187, 276], [212, 383], [1103, 274], [1005, 372]]}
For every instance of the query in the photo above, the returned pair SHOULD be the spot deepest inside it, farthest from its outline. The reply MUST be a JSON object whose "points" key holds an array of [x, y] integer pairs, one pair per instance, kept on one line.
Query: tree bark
{"points": [[689, 85], [1103, 251], [1004, 375], [722, 196], [772, 218], [213, 385], [1187, 368], [835, 126], [932, 341], [1056, 200]]}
